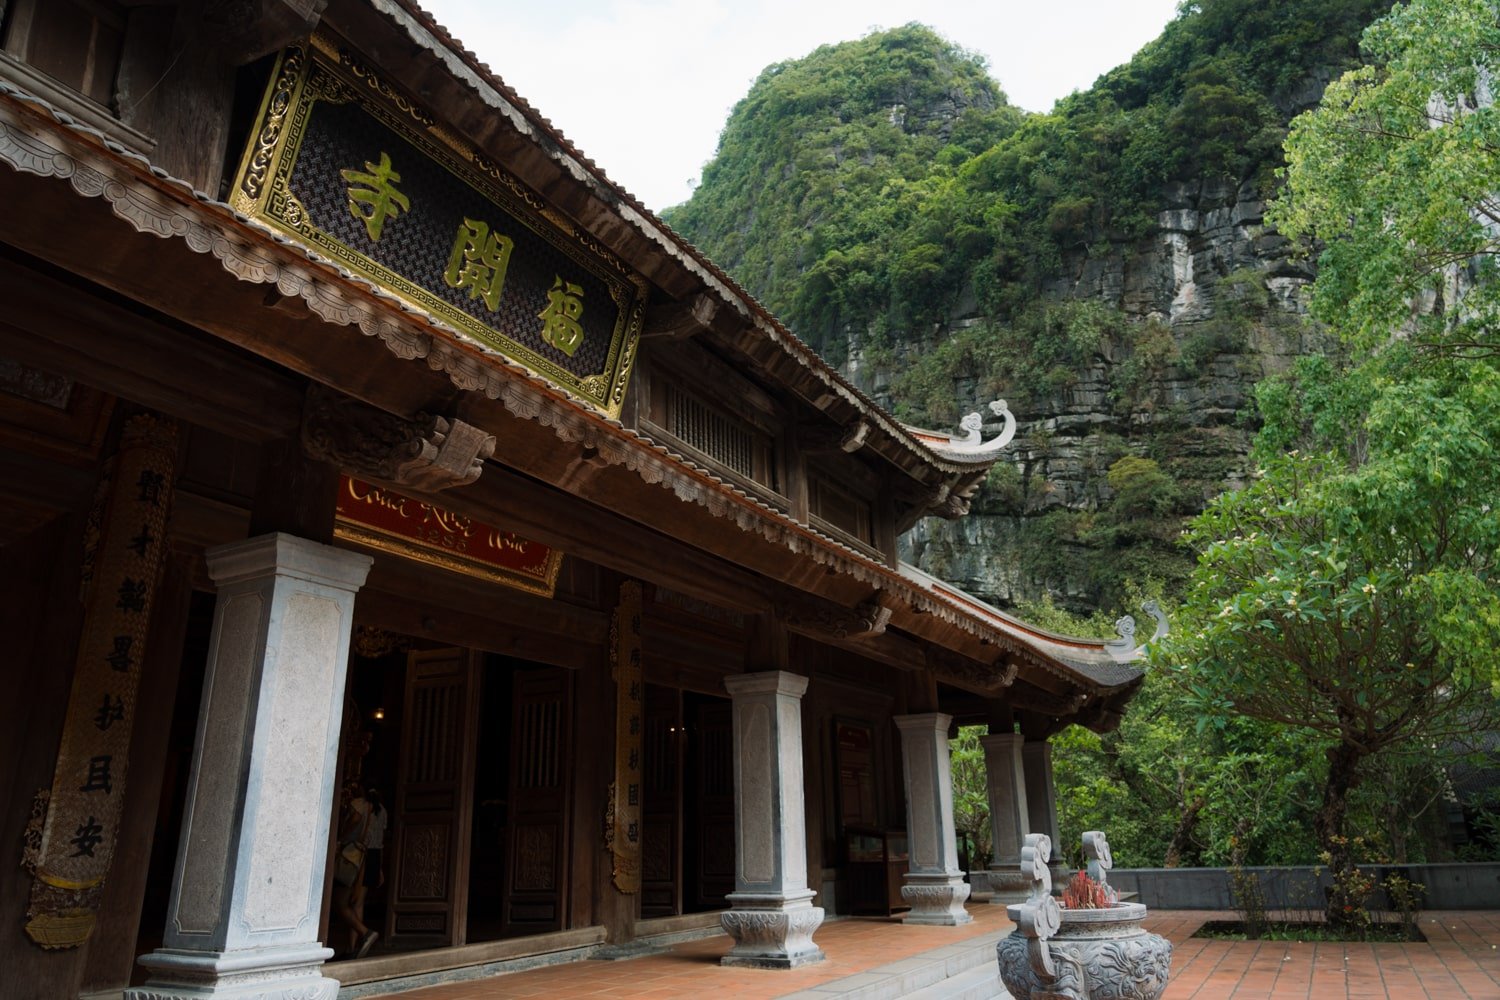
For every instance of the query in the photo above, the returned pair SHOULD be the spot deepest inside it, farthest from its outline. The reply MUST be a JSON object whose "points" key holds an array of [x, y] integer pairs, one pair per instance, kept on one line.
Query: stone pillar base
{"points": [[772, 932], [286, 973], [936, 899], [1008, 885]]}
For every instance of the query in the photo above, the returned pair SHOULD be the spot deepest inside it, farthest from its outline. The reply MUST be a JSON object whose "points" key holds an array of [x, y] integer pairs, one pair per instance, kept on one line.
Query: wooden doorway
{"points": [[434, 799], [709, 807], [541, 768], [661, 804]]}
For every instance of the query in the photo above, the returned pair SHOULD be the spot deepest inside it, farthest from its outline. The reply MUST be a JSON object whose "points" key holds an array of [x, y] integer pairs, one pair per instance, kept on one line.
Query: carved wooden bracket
{"points": [[863, 621], [680, 320], [825, 439], [991, 679], [1055, 705], [428, 453]]}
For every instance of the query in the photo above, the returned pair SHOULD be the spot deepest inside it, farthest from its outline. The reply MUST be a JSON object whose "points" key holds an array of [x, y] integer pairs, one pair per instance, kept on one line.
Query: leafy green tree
{"points": [[971, 798], [1171, 792], [1350, 592], [1397, 172]]}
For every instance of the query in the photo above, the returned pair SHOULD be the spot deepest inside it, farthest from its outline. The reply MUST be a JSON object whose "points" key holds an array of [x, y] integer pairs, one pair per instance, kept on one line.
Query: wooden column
{"points": [[40, 617], [294, 494]]}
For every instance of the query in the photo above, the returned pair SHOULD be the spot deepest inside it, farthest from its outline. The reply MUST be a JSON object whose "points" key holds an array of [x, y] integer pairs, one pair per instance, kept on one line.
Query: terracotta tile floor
{"points": [[1460, 961]]}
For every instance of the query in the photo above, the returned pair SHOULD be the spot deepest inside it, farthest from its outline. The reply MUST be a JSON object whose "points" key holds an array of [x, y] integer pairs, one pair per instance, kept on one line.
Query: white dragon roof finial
{"points": [[972, 445]]}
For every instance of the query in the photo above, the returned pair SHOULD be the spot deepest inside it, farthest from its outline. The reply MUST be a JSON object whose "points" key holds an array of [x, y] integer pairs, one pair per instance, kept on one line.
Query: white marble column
{"points": [[934, 885], [1005, 783], [772, 920], [1041, 801], [242, 920]]}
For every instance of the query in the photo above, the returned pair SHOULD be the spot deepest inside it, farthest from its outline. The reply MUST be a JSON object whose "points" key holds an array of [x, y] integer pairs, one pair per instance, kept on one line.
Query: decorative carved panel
{"points": [[536, 858], [424, 862]]}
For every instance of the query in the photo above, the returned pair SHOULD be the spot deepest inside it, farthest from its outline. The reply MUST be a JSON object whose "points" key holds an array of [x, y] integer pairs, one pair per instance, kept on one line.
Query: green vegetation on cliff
{"points": [[824, 200], [884, 185]]}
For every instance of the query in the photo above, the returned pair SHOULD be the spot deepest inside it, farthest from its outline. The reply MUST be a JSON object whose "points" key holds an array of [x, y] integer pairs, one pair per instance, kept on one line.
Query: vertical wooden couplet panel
{"points": [[540, 765], [434, 798]]}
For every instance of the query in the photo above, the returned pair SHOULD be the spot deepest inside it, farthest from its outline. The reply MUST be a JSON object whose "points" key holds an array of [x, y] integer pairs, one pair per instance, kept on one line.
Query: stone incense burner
{"points": [[1057, 953]]}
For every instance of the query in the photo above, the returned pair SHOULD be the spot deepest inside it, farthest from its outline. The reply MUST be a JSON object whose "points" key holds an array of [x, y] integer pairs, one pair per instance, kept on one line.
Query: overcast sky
{"points": [[644, 86]]}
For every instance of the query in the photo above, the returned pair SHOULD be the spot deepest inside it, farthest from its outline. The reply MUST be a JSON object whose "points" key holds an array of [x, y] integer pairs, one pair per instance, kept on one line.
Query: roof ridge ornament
{"points": [[1124, 649], [972, 445]]}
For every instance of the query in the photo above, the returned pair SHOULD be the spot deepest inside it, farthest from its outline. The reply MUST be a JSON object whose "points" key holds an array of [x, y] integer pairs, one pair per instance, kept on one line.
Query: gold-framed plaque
{"points": [[343, 161]]}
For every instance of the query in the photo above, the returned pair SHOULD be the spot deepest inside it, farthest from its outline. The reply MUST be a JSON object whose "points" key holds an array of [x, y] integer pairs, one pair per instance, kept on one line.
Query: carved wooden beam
{"points": [[427, 452], [831, 622], [982, 678], [950, 498], [60, 324], [1062, 707], [680, 320]]}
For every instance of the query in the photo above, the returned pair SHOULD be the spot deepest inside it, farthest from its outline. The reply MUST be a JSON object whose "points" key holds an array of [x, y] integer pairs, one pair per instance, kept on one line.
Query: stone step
{"points": [[980, 983], [963, 971]]}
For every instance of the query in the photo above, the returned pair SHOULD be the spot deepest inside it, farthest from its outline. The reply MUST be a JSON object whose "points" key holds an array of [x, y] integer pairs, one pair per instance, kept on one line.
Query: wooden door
{"points": [[711, 784], [661, 805], [429, 879], [540, 766]]}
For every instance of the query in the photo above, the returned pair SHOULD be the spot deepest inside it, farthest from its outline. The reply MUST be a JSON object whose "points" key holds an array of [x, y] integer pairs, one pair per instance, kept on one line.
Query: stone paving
{"points": [[1460, 961]]}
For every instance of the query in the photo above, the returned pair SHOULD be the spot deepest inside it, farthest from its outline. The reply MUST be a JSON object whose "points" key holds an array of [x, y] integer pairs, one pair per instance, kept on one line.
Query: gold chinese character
{"points": [[379, 197], [478, 263], [560, 326]]}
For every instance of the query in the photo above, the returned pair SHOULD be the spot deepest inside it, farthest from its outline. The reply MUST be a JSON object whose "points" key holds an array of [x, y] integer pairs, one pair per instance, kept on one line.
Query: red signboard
{"points": [[381, 518]]}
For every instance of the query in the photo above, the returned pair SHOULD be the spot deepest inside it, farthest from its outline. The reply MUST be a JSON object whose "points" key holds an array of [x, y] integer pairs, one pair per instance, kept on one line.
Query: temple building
{"points": [[359, 434]]}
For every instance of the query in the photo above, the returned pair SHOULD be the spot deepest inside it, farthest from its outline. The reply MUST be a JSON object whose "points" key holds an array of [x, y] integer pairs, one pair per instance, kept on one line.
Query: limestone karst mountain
{"points": [[1105, 267]]}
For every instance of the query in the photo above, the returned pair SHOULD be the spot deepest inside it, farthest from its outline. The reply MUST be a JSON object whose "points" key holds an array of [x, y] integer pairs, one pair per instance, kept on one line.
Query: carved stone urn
{"points": [[1077, 954]]}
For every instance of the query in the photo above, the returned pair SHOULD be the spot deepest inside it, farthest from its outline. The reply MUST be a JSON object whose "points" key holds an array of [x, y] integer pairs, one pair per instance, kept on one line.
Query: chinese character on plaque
{"points": [[378, 199], [478, 262], [560, 326]]}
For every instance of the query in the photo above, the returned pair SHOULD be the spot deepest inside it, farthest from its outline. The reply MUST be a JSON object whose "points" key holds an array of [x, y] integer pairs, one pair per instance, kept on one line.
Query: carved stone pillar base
{"points": [[936, 899], [288, 973], [1008, 885], [772, 932]]}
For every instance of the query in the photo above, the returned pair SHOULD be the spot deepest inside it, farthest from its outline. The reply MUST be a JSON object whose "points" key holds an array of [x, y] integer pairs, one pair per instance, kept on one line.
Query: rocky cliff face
{"points": [[1214, 301]]}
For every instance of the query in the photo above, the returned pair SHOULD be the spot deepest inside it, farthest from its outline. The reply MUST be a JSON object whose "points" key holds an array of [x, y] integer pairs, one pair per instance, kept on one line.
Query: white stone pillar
{"points": [[1005, 783], [934, 885], [1041, 801], [242, 920], [773, 919]]}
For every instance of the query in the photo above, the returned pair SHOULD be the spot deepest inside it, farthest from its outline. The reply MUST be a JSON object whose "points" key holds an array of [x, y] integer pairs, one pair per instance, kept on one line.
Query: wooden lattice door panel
{"points": [[661, 806], [540, 766], [434, 799], [711, 761]]}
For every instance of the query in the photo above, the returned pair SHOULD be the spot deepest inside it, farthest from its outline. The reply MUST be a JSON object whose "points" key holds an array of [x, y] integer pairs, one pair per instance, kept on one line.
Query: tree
{"points": [[1397, 171], [1350, 592], [971, 799]]}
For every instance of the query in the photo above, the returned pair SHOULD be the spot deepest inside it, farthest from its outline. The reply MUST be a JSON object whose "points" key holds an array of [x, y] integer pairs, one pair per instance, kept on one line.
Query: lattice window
{"points": [[729, 440]]}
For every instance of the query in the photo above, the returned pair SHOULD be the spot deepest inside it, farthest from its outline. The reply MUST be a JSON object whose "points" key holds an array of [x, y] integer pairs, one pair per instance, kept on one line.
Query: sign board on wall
{"points": [[380, 518]]}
